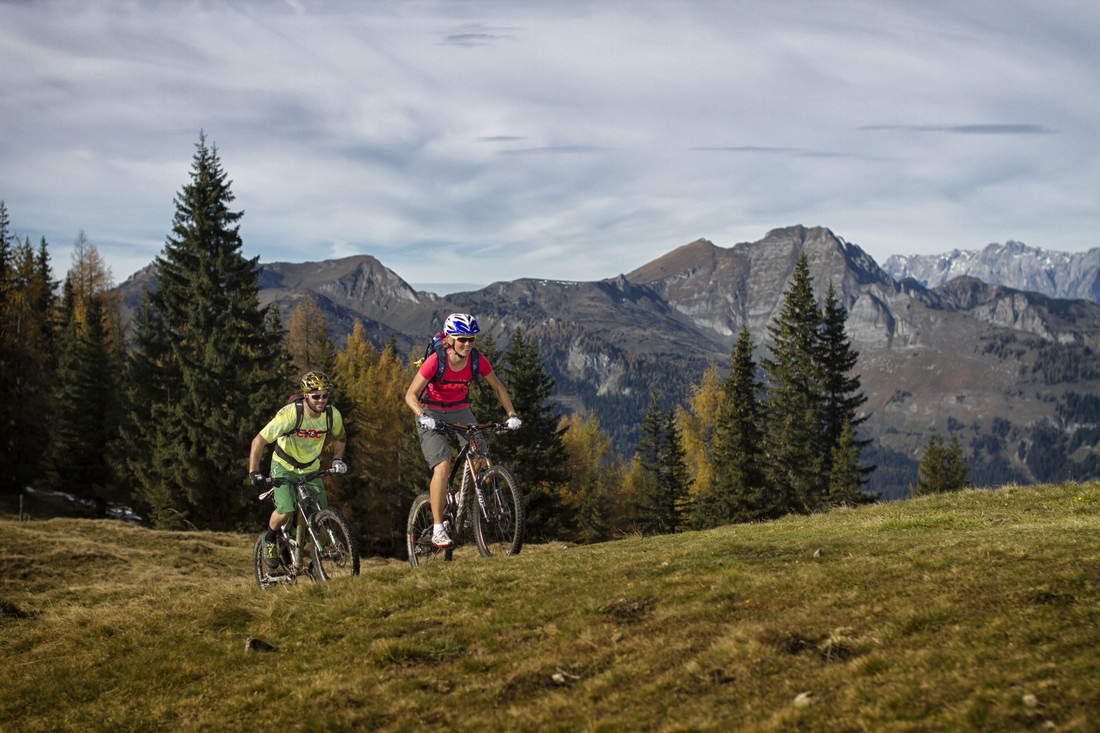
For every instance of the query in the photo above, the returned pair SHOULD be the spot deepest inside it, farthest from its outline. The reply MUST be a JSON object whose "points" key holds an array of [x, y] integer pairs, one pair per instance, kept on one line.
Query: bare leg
{"points": [[440, 474], [277, 520]]}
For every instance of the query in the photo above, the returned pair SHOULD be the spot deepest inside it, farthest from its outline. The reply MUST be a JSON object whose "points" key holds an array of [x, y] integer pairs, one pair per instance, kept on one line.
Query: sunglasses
{"points": [[319, 396], [464, 339]]}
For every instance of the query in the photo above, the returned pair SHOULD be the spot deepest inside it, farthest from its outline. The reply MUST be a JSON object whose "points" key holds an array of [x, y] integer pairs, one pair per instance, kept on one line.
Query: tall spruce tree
{"points": [[87, 413], [535, 453], [942, 467], [796, 450], [651, 439], [27, 356], [482, 400], [663, 497], [675, 478], [846, 474], [208, 367], [842, 398], [10, 481], [737, 492], [5, 249]]}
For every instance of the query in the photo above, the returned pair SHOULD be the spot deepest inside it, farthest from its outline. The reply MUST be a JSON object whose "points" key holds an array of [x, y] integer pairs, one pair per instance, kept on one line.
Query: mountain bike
{"points": [[486, 503], [317, 543]]}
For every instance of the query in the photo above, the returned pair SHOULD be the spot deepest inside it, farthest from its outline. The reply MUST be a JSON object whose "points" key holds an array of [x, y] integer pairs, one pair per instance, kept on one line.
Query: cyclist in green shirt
{"points": [[299, 431]]}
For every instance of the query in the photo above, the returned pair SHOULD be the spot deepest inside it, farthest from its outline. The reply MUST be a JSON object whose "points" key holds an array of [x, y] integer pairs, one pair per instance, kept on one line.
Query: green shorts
{"points": [[285, 496]]}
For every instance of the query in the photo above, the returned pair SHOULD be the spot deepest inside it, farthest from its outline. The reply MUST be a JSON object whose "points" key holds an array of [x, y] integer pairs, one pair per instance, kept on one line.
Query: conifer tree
{"points": [[482, 400], [957, 471], [5, 251], [10, 481], [942, 467], [648, 456], [674, 476], [87, 411], [587, 450], [307, 338], [796, 449], [738, 490], [663, 493], [91, 279], [208, 368], [842, 398], [535, 453], [376, 493], [846, 474], [27, 356], [930, 471], [396, 445], [697, 425]]}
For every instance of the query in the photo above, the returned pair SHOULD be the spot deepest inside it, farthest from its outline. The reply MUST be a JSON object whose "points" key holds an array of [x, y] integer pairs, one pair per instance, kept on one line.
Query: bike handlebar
{"points": [[284, 480], [498, 427]]}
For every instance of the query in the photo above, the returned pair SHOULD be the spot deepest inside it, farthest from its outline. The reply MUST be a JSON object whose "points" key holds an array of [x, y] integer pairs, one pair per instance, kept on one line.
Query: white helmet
{"points": [[460, 324]]}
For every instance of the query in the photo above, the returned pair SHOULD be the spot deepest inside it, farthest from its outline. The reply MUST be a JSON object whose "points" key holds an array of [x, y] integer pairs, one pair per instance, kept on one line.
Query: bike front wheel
{"points": [[418, 533], [338, 553], [499, 526]]}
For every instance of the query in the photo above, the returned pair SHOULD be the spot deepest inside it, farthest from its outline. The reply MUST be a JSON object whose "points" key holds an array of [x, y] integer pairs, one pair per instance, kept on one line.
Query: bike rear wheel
{"points": [[338, 555], [499, 529], [265, 576]]}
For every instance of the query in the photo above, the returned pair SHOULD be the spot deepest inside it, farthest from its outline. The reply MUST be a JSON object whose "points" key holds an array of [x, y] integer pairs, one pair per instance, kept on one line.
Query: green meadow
{"points": [[975, 611]]}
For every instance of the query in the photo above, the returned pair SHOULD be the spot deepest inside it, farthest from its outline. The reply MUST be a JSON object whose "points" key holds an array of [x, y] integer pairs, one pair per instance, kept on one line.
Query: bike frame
{"points": [[474, 505], [467, 463], [305, 506]]}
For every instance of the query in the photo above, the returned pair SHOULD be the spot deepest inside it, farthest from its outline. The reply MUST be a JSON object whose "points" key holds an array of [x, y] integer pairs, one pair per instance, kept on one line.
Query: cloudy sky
{"points": [[479, 140]]}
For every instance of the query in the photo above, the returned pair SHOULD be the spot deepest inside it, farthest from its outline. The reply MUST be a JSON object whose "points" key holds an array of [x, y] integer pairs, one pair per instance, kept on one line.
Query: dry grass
{"points": [[976, 611]]}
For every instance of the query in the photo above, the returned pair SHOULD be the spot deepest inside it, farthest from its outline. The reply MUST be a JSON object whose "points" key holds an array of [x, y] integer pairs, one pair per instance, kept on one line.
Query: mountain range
{"points": [[1013, 264], [1010, 372]]}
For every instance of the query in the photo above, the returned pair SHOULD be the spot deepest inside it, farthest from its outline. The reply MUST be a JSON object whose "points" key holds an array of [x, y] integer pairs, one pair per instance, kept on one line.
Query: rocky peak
{"points": [[1012, 264]]}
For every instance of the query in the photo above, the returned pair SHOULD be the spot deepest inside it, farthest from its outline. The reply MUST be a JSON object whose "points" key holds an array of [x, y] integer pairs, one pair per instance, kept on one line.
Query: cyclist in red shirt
{"points": [[447, 399]]}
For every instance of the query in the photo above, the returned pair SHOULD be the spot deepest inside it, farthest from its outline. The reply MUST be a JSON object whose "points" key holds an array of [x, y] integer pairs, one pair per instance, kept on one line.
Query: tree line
{"points": [[160, 418]]}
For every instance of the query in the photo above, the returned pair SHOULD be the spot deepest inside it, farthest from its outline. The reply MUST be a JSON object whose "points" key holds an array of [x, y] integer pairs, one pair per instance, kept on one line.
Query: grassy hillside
{"points": [[976, 611]]}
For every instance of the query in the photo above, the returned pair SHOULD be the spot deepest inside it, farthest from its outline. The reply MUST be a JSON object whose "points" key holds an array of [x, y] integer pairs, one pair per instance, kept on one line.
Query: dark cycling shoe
{"points": [[270, 551]]}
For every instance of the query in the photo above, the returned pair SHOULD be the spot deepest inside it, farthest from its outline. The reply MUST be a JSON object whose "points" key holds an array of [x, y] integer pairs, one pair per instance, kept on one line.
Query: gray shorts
{"points": [[434, 444]]}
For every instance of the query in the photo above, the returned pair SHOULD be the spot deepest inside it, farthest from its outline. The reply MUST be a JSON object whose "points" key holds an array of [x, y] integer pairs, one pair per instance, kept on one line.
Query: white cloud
{"points": [[557, 140]]}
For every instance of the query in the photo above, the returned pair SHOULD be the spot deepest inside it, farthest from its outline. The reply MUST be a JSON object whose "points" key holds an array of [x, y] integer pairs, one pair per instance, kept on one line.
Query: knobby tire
{"points": [[418, 532], [339, 553], [500, 530], [265, 576]]}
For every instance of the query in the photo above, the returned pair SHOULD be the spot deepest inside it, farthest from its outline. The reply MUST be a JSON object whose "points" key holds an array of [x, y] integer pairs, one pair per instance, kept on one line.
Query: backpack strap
{"points": [[475, 364], [440, 361], [300, 410]]}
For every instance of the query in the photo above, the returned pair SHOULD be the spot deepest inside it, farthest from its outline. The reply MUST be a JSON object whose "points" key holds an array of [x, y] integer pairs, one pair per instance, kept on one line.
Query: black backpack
{"points": [[436, 346], [299, 408]]}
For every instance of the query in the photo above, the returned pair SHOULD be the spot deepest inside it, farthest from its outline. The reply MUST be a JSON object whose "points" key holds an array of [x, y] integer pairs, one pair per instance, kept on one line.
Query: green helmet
{"points": [[314, 381]]}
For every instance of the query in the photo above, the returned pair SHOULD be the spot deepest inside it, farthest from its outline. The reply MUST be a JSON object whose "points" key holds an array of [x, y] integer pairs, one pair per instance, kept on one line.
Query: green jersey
{"points": [[305, 444]]}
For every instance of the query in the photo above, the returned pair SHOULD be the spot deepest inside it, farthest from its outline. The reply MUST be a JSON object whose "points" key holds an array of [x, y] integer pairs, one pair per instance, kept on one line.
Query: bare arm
{"points": [[256, 452], [412, 394], [501, 393]]}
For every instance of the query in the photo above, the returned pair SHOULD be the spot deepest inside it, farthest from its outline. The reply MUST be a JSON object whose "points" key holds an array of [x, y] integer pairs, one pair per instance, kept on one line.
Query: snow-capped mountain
{"points": [[1013, 264]]}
